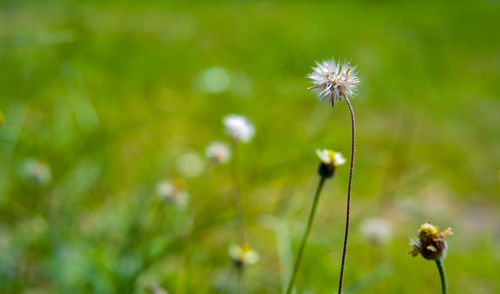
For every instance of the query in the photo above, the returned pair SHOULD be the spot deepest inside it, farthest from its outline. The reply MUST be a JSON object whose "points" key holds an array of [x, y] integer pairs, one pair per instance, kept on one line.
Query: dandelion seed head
{"points": [[218, 152], [243, 255], [239, 128], [334, 81]]}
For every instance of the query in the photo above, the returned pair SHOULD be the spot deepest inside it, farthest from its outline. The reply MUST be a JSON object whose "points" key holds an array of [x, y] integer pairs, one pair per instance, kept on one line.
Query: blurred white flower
{"points": [[213, 80], [190, 164], [173, 192], [156, 289], [376, 230], [243, 255], [218, 152], [333, 81], [330, 157], [239, 128], [37, 172]]}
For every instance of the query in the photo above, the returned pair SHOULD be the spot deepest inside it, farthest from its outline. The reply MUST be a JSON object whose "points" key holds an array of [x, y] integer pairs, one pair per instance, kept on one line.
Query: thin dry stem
{"points": [[348, 210]]}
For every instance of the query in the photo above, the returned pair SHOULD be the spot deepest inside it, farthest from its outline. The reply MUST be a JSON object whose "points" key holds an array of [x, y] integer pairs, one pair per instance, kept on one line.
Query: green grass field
{"points": [[101, 100]]}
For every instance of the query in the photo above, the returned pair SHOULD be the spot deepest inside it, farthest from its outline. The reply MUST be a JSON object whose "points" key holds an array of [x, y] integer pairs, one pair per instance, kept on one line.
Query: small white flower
{"points": [[37, 172], [333, 81], [190, 164], [213, 80], [218, 152], [376, 230], [156, 289], [239, 128], [172, 192], [330, 157], [243, 255]]}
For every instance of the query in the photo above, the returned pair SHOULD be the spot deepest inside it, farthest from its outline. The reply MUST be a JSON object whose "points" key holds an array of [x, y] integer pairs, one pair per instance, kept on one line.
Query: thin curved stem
{"points": [[348, 210], [442, 275], [305, 236]]}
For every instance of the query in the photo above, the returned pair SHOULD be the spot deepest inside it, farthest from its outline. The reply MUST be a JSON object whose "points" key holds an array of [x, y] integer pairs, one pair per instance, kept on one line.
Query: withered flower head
{"points": [[430, 243]]}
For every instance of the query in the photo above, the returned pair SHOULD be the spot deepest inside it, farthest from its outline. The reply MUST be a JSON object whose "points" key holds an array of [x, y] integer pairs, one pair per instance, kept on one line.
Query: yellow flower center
{"points": [[428, 231]]}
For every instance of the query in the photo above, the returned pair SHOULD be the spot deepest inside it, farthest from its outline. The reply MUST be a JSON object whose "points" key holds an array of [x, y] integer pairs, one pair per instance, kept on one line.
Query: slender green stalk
{"points": [[348, 209], [305, 236], [241, 280], [442, 275], [239, 215], [237, 195]]}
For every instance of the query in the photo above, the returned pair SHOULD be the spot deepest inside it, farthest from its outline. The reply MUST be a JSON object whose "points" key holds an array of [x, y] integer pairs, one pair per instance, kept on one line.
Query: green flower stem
{"points": [[305, 236], [442, 275], [237, 195], [239, 214], [241, 280]]}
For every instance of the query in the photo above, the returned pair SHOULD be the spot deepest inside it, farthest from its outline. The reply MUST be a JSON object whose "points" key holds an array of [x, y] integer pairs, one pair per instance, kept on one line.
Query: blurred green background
{"points": [[103, 100]]}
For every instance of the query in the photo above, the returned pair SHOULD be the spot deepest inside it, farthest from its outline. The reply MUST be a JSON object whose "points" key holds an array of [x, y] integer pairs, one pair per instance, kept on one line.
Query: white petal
{"points": [[339, 159], [323, 156]]}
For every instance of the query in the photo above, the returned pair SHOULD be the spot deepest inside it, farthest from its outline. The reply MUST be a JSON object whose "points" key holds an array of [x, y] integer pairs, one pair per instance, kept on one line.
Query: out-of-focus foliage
{"points": [[102, 101]]}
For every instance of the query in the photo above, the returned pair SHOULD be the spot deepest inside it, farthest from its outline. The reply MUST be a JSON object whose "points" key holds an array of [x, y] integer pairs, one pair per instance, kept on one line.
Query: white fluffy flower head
{"points": [[239, 128], [330, 157], [218, 153], [333, 81]]}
